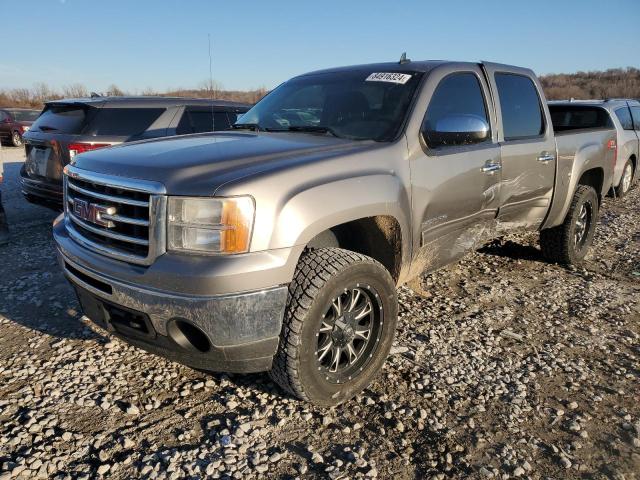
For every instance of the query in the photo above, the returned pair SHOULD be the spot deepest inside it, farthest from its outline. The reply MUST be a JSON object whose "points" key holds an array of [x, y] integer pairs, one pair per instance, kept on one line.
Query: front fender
{"points": [[317, 208]]}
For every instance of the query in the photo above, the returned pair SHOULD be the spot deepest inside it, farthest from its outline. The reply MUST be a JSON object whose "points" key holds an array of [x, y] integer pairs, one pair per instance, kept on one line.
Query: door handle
{"points": [[491, 168], [546, 157]]}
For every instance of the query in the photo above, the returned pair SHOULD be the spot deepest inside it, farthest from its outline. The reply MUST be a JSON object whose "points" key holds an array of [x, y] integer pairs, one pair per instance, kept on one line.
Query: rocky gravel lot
{"points": [[504, 366]]}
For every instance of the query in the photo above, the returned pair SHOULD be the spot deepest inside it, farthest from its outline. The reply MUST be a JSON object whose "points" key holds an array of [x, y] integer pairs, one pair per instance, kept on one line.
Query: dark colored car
{"points": [[14, 123], [69, 127]]}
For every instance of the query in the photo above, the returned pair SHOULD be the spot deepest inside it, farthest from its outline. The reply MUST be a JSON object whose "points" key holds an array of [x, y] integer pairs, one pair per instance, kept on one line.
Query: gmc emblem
{"points": [[92, 212]]}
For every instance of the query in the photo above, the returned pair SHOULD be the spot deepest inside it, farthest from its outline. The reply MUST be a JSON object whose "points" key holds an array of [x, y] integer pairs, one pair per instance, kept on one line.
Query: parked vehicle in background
{"points": [[14, 123], [280, 247], [69, 127], [623, 114]]}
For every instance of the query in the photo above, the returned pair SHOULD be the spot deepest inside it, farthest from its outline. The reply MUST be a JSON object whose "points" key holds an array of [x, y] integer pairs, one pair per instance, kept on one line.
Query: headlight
{"points": [[210, 225], [25, 128]]}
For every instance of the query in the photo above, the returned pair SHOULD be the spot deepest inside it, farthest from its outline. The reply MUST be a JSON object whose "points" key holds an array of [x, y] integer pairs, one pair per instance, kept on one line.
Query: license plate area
{"points": [[38, 160]]}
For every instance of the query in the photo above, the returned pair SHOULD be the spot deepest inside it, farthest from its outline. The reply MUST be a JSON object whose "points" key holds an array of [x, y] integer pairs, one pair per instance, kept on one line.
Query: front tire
{"points": [[338, 327], [568, 243], [16, 139], [625, 182]]}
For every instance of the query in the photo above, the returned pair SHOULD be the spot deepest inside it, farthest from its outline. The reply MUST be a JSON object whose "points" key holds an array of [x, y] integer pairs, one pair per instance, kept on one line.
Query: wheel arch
{"points": [[365, 214], [593, 177], [378, 237]]}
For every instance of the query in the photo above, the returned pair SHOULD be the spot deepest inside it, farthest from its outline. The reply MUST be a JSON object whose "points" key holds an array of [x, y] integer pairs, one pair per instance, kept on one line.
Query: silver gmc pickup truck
{"points": [[278, 246]]}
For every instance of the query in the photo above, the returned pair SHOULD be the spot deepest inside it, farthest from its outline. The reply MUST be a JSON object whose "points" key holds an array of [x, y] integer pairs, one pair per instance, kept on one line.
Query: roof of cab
{"points": [[423, 66]]}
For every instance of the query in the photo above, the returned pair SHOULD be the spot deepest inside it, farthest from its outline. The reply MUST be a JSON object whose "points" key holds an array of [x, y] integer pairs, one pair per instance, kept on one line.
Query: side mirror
{"points": [[459, 129]]}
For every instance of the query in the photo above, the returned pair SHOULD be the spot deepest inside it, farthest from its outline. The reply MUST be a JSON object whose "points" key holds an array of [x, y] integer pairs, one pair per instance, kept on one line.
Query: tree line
{"points": [[40, 93], [612, 83]]}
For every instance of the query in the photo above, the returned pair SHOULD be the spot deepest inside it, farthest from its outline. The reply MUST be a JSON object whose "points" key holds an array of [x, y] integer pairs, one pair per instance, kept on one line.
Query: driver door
{"points": [[455, 183]]}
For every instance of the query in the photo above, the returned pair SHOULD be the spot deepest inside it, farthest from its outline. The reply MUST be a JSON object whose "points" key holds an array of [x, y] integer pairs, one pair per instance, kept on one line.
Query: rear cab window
{"points": [[128, 122], [579, 117], [520, 106]]}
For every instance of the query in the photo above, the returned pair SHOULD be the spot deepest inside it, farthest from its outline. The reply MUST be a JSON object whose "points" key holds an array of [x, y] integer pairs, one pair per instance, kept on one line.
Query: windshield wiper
{"points": [[247, 126], [312, 129]]}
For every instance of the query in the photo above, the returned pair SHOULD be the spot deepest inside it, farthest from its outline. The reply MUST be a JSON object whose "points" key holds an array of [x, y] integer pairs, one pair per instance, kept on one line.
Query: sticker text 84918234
{"points": [[391, 77]]}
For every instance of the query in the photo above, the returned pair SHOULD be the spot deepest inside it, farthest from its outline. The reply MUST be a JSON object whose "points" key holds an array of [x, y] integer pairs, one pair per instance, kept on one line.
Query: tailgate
{"points": [[43, 159]]}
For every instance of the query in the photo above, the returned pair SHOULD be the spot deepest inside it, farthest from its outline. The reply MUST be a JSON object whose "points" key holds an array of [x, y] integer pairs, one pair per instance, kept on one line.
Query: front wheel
{"points": [[338, 327], [568, 243], [16, 139], [625, 182]]}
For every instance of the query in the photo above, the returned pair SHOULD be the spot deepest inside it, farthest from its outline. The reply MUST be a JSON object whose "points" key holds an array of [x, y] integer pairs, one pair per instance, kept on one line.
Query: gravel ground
{"points": [[504, 366]]}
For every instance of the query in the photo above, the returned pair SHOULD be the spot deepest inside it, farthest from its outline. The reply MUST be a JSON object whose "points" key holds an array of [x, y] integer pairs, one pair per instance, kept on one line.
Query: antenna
{"points": [[213, 122], [404, 59]]}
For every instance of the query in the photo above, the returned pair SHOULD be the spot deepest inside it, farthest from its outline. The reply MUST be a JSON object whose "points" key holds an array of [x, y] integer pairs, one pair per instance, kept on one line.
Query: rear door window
{"points": [[635, 113], [624, 116], [520, 107], [577, 117], [62, 119], [201, 121], [127, 122]]}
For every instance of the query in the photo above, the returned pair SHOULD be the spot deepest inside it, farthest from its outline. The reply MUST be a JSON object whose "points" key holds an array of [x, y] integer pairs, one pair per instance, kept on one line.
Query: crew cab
{"points": [[278, 246]]}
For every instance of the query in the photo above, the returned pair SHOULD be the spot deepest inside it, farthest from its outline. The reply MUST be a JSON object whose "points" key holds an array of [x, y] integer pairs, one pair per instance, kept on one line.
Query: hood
{"points": [[199, 164]]}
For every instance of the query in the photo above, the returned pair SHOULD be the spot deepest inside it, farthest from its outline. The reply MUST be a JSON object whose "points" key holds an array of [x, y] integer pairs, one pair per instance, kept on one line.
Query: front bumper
{"points": [[241, 329]]}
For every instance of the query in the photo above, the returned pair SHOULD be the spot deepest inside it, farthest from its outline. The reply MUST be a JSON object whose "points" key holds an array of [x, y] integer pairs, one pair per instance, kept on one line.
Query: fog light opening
{"points": [[188, 336]]}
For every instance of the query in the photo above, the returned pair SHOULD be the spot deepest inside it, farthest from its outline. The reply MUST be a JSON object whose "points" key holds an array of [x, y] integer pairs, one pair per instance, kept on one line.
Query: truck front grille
{"points": [[116, 217]]}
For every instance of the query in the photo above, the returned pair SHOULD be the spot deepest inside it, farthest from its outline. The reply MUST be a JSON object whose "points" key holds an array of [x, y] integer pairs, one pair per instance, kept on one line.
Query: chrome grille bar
{"points": [[109, 198], [106, 233], [116, 217]]}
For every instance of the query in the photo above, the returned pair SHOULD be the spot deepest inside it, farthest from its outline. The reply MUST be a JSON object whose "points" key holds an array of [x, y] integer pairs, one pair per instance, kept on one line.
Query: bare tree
{"points": [[41, 93], [75, 90], [114, 91]]}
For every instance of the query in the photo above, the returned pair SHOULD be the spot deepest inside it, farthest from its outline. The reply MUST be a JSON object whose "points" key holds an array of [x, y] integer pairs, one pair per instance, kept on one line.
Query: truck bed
{"points": [[579, 150]]}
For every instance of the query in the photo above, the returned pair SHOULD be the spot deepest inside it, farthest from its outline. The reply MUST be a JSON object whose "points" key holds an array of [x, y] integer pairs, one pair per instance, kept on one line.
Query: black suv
{"points": [[69, 127]]}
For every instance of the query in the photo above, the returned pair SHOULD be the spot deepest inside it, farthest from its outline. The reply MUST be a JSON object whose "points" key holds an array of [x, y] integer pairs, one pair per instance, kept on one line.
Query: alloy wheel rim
{"points": [[583, 224], [626, 178], [349, 333], [16, 139]]}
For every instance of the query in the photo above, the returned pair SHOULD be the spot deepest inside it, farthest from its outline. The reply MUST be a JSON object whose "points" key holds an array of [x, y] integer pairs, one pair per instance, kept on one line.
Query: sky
{"points": [[161, 45]]}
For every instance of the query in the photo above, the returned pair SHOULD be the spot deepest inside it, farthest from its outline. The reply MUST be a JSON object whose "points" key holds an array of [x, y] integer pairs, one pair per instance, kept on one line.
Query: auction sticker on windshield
{"points": [[391, 77]]}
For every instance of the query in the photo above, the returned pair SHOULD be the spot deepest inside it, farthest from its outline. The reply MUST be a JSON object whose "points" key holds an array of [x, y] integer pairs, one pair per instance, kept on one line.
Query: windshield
{"points": [[359, 105], [24, 115]]}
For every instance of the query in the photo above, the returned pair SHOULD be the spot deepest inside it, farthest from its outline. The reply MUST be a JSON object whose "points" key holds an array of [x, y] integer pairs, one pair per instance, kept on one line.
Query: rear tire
{"points": [[626, 181], [338, 327], [16, 139], [568, 243]]}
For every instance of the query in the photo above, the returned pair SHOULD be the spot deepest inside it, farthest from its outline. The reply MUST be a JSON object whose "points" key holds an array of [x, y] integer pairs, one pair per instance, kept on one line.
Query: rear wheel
{"points": [[16, 139], [625, 182], [338, 327], [568, 243]]}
